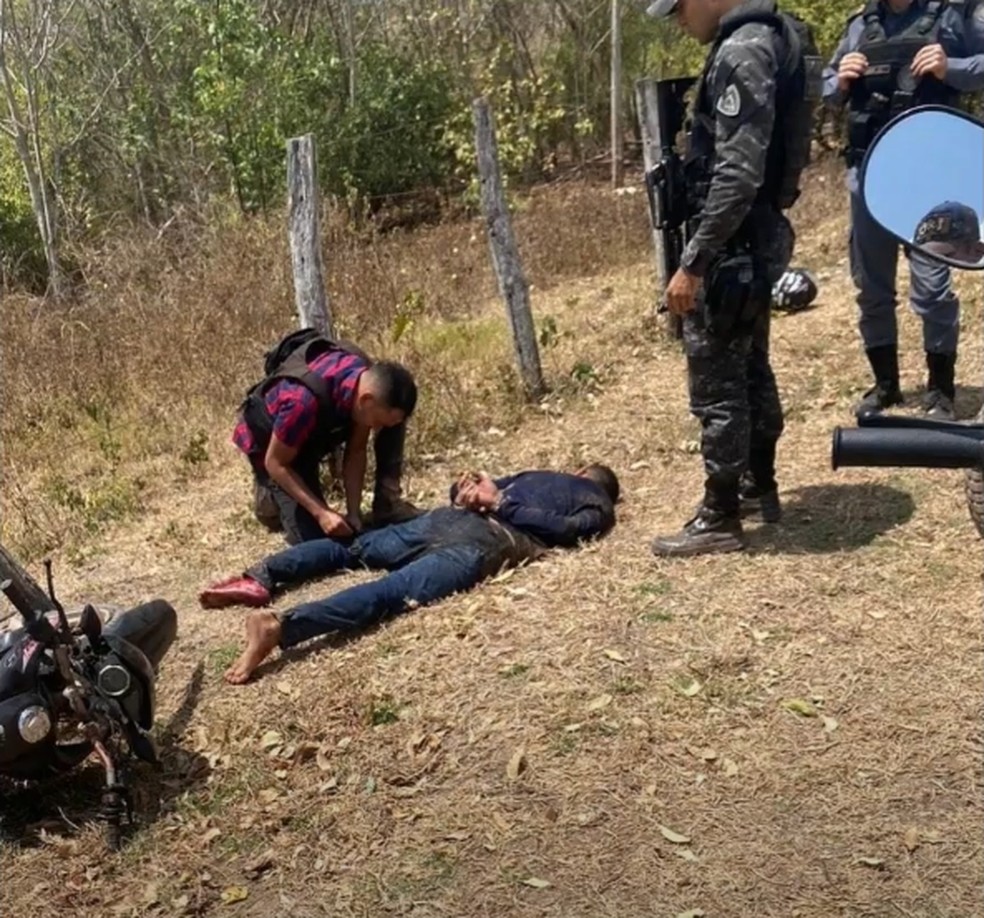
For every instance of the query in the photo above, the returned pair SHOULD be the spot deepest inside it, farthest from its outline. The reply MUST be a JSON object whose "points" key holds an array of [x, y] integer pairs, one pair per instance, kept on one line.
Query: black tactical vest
{"points": [[888, 86], [332, 427], [798, 84]]}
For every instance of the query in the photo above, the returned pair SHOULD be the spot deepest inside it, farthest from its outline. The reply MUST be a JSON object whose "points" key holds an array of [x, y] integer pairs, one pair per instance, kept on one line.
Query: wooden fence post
{"points": [[616, 103], [505, 256], [304, 231], [651, 153]]}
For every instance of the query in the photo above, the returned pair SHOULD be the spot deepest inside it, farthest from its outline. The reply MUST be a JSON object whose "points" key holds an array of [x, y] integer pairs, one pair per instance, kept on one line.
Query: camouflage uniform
{"points": [[732, 387]]}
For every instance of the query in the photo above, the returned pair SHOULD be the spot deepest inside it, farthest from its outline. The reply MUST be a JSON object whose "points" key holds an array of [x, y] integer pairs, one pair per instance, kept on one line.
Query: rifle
{"points": [[665, 183]]}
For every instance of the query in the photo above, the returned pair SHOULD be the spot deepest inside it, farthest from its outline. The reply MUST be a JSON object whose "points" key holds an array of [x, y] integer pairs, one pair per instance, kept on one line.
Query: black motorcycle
{"points": [[922, 180], [77, 685]]}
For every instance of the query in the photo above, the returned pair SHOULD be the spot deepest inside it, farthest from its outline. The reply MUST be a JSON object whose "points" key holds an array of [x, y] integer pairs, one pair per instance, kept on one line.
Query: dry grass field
{"points": [[794, 732]]}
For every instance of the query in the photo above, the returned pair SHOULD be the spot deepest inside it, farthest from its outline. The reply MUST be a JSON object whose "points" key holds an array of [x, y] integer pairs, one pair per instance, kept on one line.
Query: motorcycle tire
{"points": [[23, 592], [974, 484], [150, 627]]}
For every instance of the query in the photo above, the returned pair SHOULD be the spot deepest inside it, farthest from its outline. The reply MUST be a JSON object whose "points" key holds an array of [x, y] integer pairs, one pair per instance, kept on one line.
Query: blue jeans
{"points": [[298, 525], [425, 566], [874, 264]]}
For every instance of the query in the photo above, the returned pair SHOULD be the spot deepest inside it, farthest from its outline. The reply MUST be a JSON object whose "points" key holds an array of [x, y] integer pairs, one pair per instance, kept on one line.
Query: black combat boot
{"points": [[714, 528], [265, 508], [885, 393], [388, 505], [940, 389], [758, 493]]}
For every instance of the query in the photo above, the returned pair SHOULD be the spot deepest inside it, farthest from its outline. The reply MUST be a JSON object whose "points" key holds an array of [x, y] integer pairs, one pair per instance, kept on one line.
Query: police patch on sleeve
{"points": [[729, 104]]}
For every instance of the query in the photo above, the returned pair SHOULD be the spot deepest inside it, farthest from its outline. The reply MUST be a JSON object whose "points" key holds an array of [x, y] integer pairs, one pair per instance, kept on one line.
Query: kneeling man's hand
{"points": [[334, 524]]}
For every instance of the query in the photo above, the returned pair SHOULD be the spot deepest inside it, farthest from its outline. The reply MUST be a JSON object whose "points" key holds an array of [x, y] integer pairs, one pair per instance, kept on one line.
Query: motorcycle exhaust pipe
{"points": [[909, 447]]}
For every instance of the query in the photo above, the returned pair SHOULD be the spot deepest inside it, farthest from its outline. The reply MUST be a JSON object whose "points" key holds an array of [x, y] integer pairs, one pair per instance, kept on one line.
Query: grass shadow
{"points": [[823, 519]]}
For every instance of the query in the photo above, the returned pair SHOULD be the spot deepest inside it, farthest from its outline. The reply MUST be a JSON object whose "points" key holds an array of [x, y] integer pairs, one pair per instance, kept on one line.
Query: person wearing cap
{"points": [[739, 245], [953, 231], [895, 55]]}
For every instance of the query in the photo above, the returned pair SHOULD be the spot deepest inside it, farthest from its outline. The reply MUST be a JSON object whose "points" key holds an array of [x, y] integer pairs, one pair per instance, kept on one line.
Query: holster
{"points": [[737, 292]]}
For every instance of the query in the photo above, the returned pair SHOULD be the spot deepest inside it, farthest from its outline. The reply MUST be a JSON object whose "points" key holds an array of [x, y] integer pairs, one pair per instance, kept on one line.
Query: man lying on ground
{"points": [[491, 525]]}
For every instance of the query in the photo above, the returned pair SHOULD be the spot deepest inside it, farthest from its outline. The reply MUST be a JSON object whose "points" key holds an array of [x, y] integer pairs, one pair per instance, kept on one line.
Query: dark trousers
{"points": [[874, 265], [733, 394], [430, 557], [278, 510], [733, 390]]}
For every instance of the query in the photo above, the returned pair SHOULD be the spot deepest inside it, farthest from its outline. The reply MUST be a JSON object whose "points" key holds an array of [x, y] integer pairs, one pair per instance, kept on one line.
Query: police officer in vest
{"points": [[896, 54], [739, 244]]}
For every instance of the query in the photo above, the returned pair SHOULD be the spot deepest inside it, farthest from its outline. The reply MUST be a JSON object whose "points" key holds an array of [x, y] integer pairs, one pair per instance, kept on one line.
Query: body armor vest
{"points": [[888, 87], [798, 89], [332, 427]]}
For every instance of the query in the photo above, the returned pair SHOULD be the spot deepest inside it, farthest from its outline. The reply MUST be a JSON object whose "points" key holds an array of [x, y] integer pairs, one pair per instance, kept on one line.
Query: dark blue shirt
{"points": [[555, 508]]}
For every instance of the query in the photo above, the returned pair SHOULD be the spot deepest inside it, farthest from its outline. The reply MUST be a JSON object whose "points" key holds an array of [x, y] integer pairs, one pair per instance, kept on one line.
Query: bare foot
{"points": [[262, 635]]}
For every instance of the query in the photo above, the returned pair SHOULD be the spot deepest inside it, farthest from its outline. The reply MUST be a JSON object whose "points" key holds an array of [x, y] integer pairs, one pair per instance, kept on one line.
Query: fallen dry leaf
{"points": [[614, 655], [688, 687], [911, 839], [800, 706], [517, 764], [536, 883], [602, 701], [233, 894], [674, 837]]}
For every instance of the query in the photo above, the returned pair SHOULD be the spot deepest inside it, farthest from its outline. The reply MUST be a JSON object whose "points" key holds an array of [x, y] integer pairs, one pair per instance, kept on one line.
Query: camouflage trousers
{"points": [[733, 393]]}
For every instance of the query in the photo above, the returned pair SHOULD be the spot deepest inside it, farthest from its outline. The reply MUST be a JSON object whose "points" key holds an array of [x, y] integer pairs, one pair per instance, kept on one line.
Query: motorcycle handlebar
{"points": [[922, 445]]}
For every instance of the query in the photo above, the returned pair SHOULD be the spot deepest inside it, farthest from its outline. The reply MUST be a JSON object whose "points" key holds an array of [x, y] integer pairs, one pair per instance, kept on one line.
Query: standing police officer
{"points": [[745, 153], [896, 54]]}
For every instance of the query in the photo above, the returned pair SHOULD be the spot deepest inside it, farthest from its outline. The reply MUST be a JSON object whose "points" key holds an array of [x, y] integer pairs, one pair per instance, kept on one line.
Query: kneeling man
{"points": [[490, 525]]}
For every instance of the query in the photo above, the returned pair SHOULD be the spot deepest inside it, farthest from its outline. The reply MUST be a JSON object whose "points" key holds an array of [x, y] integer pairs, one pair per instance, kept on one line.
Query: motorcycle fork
{"points": [[116, 804]]}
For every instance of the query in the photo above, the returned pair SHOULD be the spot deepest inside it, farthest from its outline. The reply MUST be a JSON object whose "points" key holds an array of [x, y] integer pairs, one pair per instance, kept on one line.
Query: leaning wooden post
{"points": [[616, 97], [505, 256], [652, 142], [304, 230]]}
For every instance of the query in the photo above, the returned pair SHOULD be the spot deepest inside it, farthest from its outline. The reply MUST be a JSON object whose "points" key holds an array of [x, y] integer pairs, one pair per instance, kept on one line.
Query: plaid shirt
{"points": [[293, 406]]}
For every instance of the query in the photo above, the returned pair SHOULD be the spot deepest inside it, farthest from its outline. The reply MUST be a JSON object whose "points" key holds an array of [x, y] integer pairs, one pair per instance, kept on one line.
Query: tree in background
{"points": [[140, 110]]}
